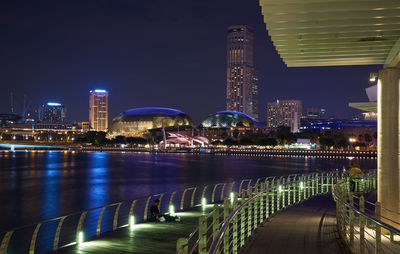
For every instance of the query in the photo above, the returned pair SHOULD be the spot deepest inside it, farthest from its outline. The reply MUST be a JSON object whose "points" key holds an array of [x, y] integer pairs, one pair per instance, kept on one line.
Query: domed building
{"points": [[229, 119], [136, 122]]}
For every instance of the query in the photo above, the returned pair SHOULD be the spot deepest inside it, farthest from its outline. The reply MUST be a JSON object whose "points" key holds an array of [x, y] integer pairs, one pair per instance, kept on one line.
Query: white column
{"points": [[388, 140]]}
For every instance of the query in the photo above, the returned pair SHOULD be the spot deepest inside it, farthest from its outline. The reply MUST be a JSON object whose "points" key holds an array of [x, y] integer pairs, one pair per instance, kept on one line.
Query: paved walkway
{"points": [[145, 238], [309, 227]]}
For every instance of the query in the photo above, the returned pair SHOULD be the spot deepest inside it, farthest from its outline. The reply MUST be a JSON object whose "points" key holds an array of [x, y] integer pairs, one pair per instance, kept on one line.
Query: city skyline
{"points": [[64, 60]]}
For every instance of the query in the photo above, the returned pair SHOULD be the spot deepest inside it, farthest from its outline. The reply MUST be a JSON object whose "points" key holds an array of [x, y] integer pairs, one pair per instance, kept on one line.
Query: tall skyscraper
{"points": [[284, 113], [52, 112], [242, 82], [98, 110]]}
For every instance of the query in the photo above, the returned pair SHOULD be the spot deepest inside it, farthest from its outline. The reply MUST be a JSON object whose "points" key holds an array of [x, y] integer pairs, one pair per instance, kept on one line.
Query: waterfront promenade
{"points": [[146, 238], [309, 227]]}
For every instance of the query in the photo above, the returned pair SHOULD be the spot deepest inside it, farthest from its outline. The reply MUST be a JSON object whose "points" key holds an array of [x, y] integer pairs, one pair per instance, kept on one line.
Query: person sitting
{"points": [[353, 173], [156, 215]]}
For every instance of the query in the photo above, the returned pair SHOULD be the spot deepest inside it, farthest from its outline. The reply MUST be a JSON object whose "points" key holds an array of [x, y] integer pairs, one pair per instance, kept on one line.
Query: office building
{"points": [[242, 82], [52, 112], [98, 110], [284, 113]]}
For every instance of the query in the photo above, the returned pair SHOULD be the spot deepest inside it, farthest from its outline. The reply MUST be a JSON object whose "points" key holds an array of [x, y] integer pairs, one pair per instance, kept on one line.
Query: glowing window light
{"points": [[80, 237], [131, 222], [171, 210]]}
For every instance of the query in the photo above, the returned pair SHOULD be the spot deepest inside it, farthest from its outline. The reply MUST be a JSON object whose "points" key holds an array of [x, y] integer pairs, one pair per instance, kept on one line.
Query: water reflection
{"points": [[40, 185]]}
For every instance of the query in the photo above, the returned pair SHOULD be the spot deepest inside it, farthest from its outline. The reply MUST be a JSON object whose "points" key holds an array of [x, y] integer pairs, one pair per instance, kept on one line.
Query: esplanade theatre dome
{"points": [[137, 121], [230, 119]]}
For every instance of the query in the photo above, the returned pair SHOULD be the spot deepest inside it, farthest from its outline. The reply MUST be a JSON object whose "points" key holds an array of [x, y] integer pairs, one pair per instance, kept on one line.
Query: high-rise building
{"points": [[242, 82], [284, 113], [98, 110], [52, 112]]}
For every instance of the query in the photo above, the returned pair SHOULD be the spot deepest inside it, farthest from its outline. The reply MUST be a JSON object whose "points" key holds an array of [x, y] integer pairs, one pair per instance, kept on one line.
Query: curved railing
{"points": [[360, 223], [242, 214], [52, 234]]}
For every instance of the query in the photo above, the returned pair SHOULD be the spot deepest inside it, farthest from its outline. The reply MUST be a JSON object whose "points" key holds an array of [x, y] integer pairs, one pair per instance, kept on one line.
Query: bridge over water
{"points": [[16, 146]]}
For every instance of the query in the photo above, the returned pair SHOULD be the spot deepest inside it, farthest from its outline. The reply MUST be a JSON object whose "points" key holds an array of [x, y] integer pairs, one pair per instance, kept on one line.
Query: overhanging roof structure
{"points": [[334, 32], [364, 106]]}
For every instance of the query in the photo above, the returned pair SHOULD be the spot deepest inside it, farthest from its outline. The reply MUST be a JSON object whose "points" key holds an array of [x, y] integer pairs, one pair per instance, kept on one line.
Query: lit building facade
{"points": [[138, 122], [284, 113], [98, 110], [242, 81], [52, 112]]}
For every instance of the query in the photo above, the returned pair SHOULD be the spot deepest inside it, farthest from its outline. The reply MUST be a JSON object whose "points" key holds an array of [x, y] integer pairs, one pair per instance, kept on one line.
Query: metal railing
{"points": [[360, 223], [244, 212], [52, 234]]}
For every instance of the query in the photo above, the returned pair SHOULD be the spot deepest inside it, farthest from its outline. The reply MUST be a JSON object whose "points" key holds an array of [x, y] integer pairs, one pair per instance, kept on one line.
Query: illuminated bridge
{"points": [[14, 147]]}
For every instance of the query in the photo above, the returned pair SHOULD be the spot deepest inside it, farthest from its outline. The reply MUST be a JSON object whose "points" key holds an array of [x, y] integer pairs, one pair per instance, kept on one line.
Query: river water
{"points": [[41, 185]]}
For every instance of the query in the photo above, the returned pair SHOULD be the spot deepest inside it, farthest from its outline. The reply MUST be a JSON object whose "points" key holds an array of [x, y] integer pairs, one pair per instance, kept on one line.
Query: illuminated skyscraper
{"points": [[284, 113], [52, 112], [98, 110], [241, 83]]}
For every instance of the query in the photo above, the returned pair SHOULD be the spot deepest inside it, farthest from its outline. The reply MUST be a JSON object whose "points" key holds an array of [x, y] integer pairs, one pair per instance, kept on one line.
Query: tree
{"points": [[230, 142], [235, 133], [367, 138], [326, 141], [120, 140]]}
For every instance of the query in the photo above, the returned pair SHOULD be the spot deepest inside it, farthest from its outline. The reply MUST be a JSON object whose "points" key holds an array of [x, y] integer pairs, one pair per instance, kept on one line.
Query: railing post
{"points": [[80, 226], [283, 193], [308, 186], [215, 221], [5, 241], [242, 223], [182, 246], [267, 200], [294, 189], [249, 218], [202, 234], [278, 195], [378, 230], [261, 199], [289, 190], [351, 222], [313, 185], [255, 217], [226, 215], [362, 226], [235, 226]]}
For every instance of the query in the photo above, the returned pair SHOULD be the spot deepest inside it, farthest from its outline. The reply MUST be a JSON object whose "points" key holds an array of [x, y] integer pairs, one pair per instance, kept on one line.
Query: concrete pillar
{"points": [[388, 141]]}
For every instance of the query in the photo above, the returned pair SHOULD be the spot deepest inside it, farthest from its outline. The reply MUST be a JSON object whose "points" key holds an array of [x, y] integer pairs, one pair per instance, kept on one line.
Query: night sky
{"points": [[150, 53]]}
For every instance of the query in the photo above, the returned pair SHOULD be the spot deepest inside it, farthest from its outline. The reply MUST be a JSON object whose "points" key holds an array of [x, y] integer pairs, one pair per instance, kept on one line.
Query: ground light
{"points": [[80, 237], [131, 222], [203, 202], [171, 210], [280, 188], [232, 196], [301, 185]]}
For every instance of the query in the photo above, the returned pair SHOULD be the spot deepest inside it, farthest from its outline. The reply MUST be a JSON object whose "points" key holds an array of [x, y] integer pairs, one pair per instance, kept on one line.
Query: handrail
{"points": [[228, 221], [364, 214]]}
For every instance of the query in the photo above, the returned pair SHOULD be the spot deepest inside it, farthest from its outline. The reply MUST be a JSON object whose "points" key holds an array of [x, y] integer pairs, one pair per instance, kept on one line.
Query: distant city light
{"points": [[100, 91], [54, 104]]}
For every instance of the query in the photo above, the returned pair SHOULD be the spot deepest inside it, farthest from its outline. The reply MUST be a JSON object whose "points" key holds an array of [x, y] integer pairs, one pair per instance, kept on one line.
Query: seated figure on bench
{"points": [[160, 217]]}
